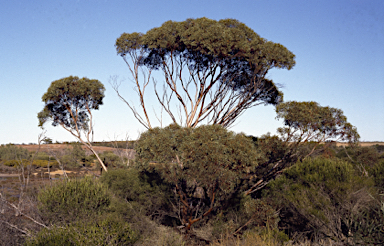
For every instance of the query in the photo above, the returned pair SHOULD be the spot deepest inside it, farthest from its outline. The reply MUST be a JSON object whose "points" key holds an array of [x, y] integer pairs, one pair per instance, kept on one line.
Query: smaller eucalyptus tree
{"points": [[306, 124], [68, 103]]}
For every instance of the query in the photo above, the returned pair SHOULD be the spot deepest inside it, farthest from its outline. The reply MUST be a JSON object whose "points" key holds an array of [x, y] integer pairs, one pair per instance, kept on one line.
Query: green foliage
{"points": [[42, 156], [244, 216], [272, 147], [144, 191], [365, 156], [70, 200], [78, 152], [47, 140], [379, 148], [210, 156], [308, 121], [25, 162], [204, 40], [227, 60], [13, 152], [377, 172], [116, 144], [108, 231], [110, 159], [205, 164], [327, 194], [74, 156], [68, 102]]}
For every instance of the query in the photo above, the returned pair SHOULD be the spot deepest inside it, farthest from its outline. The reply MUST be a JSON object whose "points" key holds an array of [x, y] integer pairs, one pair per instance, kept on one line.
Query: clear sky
{"points": [[339, 48]]}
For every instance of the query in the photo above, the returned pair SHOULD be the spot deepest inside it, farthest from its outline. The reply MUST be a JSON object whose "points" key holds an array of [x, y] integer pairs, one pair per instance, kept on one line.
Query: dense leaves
{"points": [[226, 63], [326, 197], [109, 231], [68, 102], [12, 152], [308, 121], [61, 202], [207, 154], [205, 164]]}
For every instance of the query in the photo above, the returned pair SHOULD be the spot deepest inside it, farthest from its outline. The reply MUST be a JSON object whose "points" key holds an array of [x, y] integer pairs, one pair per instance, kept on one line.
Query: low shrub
{"points": [[144, 191], [36, 163], [108, 231], [68, 201], [324, 195], [377, 172]]}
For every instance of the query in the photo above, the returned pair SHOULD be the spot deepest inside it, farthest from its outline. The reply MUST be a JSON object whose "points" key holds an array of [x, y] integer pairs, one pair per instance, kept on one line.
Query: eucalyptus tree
{"points": [[69, 103], [212, 71], [306, 124]]}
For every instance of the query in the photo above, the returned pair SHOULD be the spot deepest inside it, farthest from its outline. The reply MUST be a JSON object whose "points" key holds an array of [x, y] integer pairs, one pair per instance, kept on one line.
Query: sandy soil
{"points": [[46, 147], [8, 175], [59, 172], [363, 144]]}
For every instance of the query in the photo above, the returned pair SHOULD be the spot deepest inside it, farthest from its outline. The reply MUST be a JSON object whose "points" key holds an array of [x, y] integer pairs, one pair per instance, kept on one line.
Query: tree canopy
{"points": [[68, 103], [213, 70], [308, 121], [309, 128]]}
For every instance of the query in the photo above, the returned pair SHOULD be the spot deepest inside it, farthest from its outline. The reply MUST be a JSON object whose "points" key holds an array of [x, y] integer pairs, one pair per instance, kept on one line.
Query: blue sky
{"points": [[339, 48]]}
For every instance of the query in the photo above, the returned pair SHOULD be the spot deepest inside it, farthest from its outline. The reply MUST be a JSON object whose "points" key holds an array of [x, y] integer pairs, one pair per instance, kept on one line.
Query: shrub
{"points": [[110, 159], [12, 152], [45, 163], [67, 201], [327, 195], [36, 163], [205, 165], [145, 191], [365, 156], [377, 172], [108, 231]]}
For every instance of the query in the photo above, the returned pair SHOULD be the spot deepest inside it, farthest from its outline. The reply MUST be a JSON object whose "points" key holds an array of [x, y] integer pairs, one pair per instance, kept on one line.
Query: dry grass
{"points": [[362, 144], [46, 147]]}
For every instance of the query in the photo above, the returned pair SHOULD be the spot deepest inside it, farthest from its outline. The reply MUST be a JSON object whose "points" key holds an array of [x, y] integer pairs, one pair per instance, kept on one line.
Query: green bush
{"points": [[109, 231], [144, 191], [326, 195], [12, 152], [110, 159], [45, 163], [16, 163], [42, 156], [67, 201], [377, 172], [205, 166], [362, 156], [36, 163]]}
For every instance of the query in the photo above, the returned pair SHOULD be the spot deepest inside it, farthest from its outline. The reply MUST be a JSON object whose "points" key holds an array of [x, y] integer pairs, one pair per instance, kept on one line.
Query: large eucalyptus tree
{"points": [[211, 71]]}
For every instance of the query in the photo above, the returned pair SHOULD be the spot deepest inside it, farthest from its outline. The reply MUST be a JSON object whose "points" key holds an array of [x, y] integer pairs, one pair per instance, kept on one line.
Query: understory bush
{"points": [[71, 200], [324, 198], [145, 192], [108, 231]]}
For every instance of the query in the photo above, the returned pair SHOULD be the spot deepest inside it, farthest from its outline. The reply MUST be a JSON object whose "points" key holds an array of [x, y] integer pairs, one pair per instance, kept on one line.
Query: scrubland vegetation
{"points": [[195, 182], [333, 196]]}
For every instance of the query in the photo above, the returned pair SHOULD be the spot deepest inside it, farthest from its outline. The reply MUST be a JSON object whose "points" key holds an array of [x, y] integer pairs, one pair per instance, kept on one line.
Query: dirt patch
{"points": [[8, 175], [47, 147], [59, 172], [363, 144]]}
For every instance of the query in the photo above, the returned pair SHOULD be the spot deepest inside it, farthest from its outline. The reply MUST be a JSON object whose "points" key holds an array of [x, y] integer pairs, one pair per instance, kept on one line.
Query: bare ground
{"points": [[46, 147]]}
